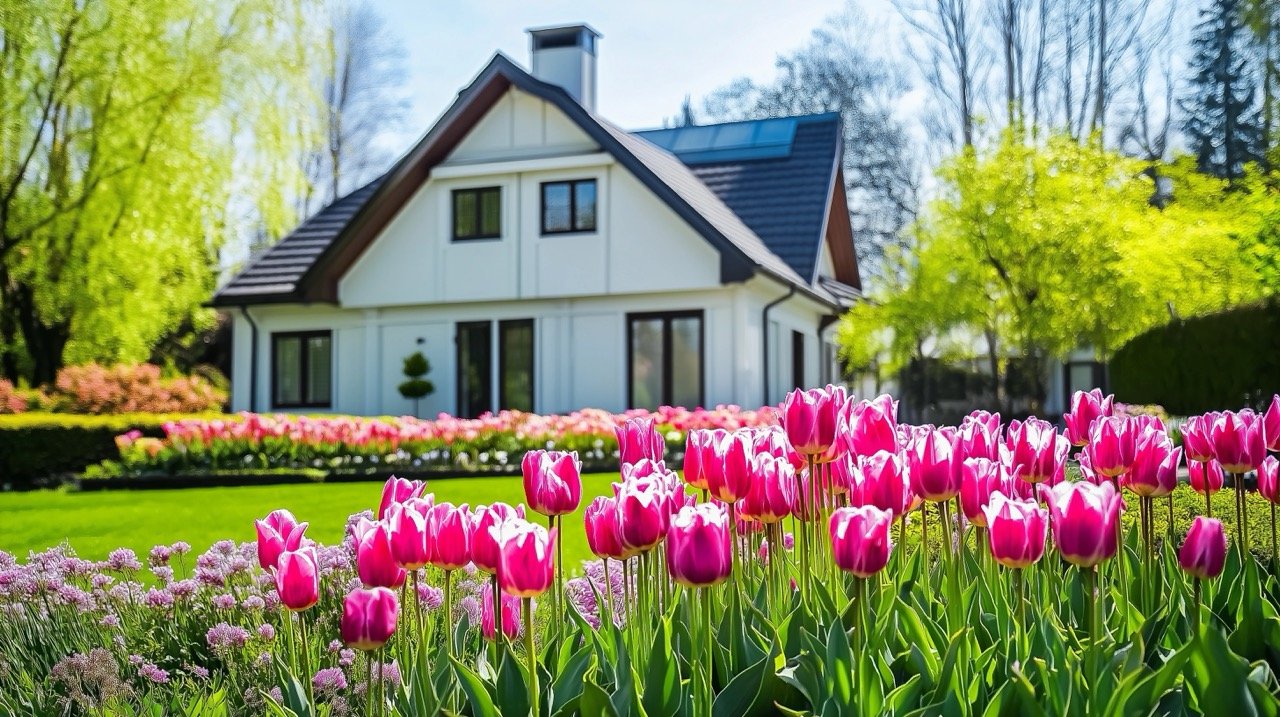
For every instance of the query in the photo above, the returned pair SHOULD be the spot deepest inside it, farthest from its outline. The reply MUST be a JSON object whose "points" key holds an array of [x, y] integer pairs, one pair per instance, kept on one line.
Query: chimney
{"points": [[565, 55]]}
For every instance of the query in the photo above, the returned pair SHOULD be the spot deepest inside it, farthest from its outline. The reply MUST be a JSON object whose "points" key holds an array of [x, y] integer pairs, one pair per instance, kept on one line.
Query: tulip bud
{"points": [[881, 480], [375, 562], [772, 490], [729, 473], [369, 618], [1204, 552], [297, 574], [601, 522], [1155, 466], [510, 616], [934, 475], [1084, 519], [398, 490], [1269, 479], [1035, 451], [699, 450], [1111, 447], [278, 533], [637, 439], [552, 481], [1206, 477], [809, 418], [449, 536], [527, 558], [868, 427], [860, 539], [1271, 424], [1238, 443], [980, 481], [1086, 407], [1016, 530], [484, 548], [407, 525], [698, 547], [642, 515], [1196, 439]]}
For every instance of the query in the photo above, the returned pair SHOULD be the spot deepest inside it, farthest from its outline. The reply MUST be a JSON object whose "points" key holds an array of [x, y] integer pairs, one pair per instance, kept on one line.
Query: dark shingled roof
{"points": [[781, 196], [758, 191]]}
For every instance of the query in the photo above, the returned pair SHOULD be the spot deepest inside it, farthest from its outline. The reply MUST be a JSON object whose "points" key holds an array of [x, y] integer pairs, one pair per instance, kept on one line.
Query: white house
{"points": [[544, 259]]}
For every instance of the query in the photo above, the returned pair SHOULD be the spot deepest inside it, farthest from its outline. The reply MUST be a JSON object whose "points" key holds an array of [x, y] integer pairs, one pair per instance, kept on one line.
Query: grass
{"points": [[97, 522]]}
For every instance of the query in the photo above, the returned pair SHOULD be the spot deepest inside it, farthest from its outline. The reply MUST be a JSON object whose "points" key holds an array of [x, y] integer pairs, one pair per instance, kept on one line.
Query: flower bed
{"points": [[782, 573], [347, 445]]}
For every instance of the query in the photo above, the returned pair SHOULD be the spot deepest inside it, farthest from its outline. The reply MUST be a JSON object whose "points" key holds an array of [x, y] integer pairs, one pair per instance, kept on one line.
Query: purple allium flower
{"points": [[163, 574], [266, 631], [181, 547], [123, 560], [198, 672], [225, 601], [101, 581], [110, 620], [153, 673], [432, 597], [390, 672], [264, 660], [275, 695], [347, 657], [222, 637], [159, 599], [184, 588], [334, 645], [159, 556], [469, 606], [789, 541], [253, 602], [135, 660], [329, 680]]}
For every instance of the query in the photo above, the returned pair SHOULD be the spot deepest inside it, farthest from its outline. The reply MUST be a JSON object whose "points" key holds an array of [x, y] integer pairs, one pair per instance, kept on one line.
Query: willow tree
{"points": [[135, 137]]}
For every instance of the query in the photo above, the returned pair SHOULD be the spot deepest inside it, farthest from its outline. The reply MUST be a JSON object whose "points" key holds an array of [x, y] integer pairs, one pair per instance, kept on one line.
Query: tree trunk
{"points": [[44, 343], [993, 356]]}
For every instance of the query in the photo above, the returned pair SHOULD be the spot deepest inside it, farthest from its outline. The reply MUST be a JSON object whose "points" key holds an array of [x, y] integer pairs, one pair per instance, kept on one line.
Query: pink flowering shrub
{"points": [[11, 401], [139, 388]]}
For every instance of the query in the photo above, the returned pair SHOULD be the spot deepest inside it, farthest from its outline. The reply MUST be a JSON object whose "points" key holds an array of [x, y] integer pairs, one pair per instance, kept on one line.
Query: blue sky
{"points": [[653, 53]]}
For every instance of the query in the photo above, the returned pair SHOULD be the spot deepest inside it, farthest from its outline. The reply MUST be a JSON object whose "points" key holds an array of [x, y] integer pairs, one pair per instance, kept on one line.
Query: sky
{"points": [[652, 54]]}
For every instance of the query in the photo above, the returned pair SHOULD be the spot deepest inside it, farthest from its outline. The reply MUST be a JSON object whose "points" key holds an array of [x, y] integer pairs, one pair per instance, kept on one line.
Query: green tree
{"points": [[135, 136], [416, 387], [1223, 125]]}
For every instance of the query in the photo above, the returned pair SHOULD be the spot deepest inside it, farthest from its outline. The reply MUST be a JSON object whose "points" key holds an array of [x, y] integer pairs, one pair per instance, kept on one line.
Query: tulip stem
{"points": [[1095, 620], [1274, 555], [1019, 596], [710, 645], [306, 664], [1195, 612], [608, 594], [448, 611], [1208, 503], [531, 657], [368, 683]]}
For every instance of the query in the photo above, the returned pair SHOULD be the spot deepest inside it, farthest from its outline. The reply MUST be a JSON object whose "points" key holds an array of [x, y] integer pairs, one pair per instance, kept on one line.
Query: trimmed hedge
{"points": [[1230, 359], [37, 446]]}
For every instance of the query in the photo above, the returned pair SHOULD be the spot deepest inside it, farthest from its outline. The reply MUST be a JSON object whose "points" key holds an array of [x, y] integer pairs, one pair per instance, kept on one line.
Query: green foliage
{"points": [[135, 138], [39, 445], [1195, 365], [415, 367]]}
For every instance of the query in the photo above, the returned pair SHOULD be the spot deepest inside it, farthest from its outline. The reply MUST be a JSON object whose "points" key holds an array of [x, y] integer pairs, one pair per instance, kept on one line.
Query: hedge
{"points": [[38, 446], [1230, 359]]}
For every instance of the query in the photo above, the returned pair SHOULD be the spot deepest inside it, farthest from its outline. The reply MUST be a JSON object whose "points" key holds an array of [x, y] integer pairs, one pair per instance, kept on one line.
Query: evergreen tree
{"points": [[1223, 125]]}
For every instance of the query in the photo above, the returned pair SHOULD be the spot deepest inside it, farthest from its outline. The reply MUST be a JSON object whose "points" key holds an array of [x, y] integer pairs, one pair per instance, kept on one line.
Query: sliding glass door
{"points": [[483, 373], [665, 359]]}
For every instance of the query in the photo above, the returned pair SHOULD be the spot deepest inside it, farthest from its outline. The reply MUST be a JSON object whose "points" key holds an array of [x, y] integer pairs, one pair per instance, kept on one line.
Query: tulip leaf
{"points": [[1139, 692], [595, 701], [1216, 676], [662, 679], [904, 696], [739, 696], [569, 681], [511, 695], [477, 693]]}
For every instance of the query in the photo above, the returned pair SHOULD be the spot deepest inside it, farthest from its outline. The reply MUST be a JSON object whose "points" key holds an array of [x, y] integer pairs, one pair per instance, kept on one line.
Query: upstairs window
{"points": [[477, 213], [569, 207], [301, 369]]}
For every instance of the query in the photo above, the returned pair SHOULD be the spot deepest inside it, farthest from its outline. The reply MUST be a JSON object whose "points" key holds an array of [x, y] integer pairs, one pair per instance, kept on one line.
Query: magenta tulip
{"points": [[728, 473], [700, 446], [1197, 441], [978, 437], [278, 533], [1269, 479], [601, 522], [698, 547], [552, 481], [1204, 552], [1035, 451], [1111, 447], [1154, 472], [369, 618], [510, 616], [980, 479], [638, 438], [449, 531], [1271, 424], [527, 558], [880, 480], [772, 490], [1238, 443], [809, 418], [375, 561], [1016, 530], [868, 427], [1086, 407], [484, 548], [1084, 519], [773, 440], [1206, 477], [407, 524], [643, 515], [934, 475], [398, 490], [297, 574], [860, 539]]}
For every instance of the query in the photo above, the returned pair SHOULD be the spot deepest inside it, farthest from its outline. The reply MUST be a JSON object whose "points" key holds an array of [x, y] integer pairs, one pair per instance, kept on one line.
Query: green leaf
{"points": [[1217, 677], [595, 701], [662, 691], [511, 694], [739, 696], [477, 693], [569, 681]]}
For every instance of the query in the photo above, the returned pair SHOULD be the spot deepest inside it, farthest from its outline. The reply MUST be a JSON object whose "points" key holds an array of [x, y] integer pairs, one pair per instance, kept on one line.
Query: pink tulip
{"points": [[809, 418], [1154, 473], [278, 533], [1086, 407], [601, 522], [934, 475], [510, 616], [484, 548], [376, 563], [1238, 443], [1035, 451], [1197, 442], [1204, 552], [698, 548], [297, 574], [978, 437], [772, 490], [398, 490], [642, 515], [729, 472], [699, 450], [369, 618], [1084, 521], [449, 531], [527, 558], [980, 480], [773, 440], [646, 468], [407, 524], [1271, 424], [860, 539], [1269, 479], [868, 427], [1111, 447], [638, 438], [552, 481], [1206, 477], [1016, 530], [880, 480]]}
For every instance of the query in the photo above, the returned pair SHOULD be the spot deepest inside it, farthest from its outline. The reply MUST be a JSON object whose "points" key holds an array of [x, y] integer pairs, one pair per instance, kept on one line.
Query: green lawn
{"points": [[95, 523]]}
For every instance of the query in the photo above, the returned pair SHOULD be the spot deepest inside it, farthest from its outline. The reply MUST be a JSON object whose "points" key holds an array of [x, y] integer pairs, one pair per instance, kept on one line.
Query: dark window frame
{"points": [[573, 207], [797, 358], [304, 368], [479, 192], [502, 361], [460, 369], [667, 374]]}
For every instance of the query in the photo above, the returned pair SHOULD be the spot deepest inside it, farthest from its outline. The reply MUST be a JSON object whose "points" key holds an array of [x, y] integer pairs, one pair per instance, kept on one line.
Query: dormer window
{"points": [[569, 207], [477, 213]]}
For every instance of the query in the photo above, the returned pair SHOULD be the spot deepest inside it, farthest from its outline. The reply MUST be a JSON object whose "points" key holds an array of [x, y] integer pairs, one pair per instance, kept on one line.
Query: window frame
{"points": [[304, 368], [460, 409], [501, 358], [479, 192], [798, 359], [667, 355], [573, 207]]}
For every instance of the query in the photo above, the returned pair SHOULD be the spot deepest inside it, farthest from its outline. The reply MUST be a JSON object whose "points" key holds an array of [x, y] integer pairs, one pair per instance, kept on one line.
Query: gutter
{"points": [[764, 342], [253, 359]]}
